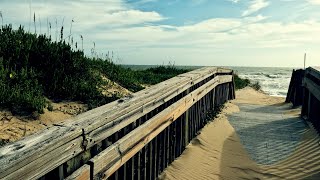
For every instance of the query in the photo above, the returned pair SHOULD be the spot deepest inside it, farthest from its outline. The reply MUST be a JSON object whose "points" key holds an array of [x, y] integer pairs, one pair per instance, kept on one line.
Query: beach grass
{"points": [[241, 83], [35, 67]]}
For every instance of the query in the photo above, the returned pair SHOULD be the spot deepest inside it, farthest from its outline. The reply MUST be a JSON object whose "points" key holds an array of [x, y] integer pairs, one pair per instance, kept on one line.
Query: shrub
{"points": [[240, 83], [256, 86], [159, 74], [20, 91]]}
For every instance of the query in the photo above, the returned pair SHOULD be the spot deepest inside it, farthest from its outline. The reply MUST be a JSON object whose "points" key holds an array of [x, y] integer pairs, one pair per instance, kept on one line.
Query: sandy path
{"points": [[215, 154], [218, 154]]}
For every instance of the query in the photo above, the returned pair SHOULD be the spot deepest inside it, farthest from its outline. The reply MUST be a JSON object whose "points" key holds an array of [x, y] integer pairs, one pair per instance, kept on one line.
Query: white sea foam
{"points": [[274, 81]]}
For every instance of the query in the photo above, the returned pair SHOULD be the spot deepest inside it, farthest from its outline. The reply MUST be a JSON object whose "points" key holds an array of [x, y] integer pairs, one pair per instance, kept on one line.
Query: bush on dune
{"points": [[241, 83], [33, 67], [159, 74], [39, 67]]}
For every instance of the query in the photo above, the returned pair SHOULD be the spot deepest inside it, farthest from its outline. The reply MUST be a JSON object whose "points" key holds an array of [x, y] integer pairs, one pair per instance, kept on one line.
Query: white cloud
{"points": [[136, 36], [218, 33], [86, 15], [316, 2], [255, 6], [214, 38]]}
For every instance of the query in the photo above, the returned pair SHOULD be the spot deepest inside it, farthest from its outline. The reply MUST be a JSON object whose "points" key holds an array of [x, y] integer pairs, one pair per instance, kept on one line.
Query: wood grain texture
{"points": [[82, 173], [18, 158], [36, 155], [133, 142], [312, 87]]}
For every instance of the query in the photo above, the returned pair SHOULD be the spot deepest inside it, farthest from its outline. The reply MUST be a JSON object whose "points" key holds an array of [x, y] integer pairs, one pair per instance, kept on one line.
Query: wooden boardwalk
{"points": [[138, 137]]}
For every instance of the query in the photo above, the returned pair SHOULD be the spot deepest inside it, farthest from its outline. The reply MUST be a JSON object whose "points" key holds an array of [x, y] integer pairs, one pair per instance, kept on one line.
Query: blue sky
{"points": [[184, 32]]}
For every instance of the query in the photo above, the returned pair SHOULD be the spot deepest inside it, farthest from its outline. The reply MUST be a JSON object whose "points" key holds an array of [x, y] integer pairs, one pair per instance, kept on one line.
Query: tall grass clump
{"points": [[159, 74], [20, 90], [241, 83], [256, 86], [33, 67]]}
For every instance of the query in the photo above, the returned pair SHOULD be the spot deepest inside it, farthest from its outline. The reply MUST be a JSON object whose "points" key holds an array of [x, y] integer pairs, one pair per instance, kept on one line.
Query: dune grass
{"points": [[241, 83], [33, 67]]}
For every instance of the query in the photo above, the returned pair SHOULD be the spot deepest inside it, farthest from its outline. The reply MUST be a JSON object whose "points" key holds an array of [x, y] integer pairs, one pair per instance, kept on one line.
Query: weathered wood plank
{"points": [[28, 153], [123, 118], [82, 173], [190, 99], [128, 146], [46, 144], [314, 72], [180, 80], [36, 169], [312, 87]]}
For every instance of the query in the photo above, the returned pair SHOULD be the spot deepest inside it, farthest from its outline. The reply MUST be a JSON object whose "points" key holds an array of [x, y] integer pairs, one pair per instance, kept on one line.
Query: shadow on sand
{"points": [[279, 145], [223, 151]]}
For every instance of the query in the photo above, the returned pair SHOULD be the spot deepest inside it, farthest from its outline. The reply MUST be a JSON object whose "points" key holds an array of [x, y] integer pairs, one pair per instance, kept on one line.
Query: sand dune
{"points": [[217, 152]]}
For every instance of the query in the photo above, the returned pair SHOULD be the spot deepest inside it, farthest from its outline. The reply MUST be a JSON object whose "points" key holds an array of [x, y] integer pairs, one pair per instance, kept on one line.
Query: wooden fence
{"points": [[311, 97], [295, 90], [132, 138]]}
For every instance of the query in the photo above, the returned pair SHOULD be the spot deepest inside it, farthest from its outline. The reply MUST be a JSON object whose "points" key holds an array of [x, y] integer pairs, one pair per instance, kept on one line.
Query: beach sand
{"points": [[13, 128], [217, 153]]}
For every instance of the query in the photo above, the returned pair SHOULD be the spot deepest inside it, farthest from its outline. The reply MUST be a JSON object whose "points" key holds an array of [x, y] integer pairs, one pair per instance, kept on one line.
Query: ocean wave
{"points": [[273, 76], [274, 81], [263, 75]]}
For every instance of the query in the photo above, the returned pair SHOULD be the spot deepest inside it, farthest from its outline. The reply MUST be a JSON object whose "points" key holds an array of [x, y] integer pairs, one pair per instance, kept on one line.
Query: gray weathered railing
{"points": [[132, 138], [295, 91], [311, 96]]}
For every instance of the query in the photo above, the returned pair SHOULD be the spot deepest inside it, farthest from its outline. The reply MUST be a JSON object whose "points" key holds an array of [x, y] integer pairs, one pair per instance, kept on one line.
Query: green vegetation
{"points": [[33, 67], [256, 86], [242, 83], [134, 79]]}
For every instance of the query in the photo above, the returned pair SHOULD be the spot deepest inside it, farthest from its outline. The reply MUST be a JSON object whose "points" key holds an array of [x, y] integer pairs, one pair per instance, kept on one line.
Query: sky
{"points": [[263, 33]]}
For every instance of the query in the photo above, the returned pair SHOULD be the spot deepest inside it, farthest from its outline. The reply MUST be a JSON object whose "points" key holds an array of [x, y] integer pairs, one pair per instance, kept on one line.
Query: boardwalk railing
{"points": [[311, 96], [132, 138], [295, 91]]}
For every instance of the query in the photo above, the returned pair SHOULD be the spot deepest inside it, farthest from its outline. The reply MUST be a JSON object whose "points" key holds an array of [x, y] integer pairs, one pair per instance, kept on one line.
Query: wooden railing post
{"points": [[186, 125]]}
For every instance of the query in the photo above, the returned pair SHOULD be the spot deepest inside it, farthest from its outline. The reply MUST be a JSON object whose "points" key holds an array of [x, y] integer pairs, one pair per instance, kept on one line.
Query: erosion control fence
{"points": [[295, 91], [133, 138], [311, 96]]}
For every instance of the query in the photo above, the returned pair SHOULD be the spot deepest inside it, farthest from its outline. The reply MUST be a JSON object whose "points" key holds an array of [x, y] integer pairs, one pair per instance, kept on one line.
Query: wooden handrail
{"points": [[71, 141], [311, 97]]}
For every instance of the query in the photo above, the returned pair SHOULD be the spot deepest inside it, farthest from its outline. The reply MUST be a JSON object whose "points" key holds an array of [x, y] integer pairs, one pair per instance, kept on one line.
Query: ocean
{"points": [[273, 80]]}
